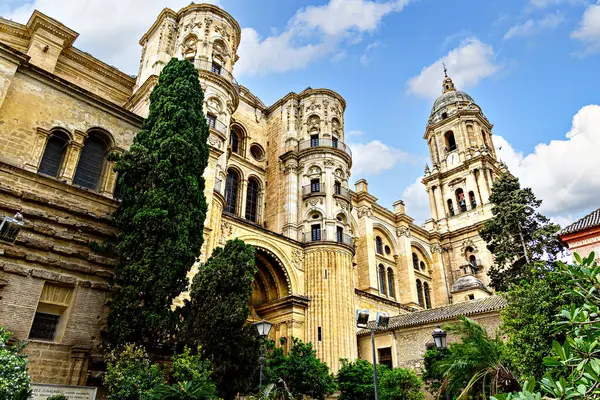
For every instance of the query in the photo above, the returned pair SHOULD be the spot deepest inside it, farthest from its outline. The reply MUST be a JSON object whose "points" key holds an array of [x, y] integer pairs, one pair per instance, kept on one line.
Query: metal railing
{"points": [[218, 126], [310, 190], [342, 192], [468, 269], [329, 143], [221, 71], [322, 236], [218, 183]]}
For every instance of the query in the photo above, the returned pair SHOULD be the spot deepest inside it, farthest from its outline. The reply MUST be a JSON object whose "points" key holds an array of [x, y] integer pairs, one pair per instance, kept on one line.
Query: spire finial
{"points": [[445, 70]]}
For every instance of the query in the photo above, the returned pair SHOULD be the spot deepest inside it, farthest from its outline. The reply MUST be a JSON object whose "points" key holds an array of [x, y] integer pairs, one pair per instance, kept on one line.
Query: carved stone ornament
{"points": [[364, 211], [436, 248], [226, 231], [313, 122], [215, 141], [189, 47], [314, 202], [298, 259], [403, 231], [313, 106], [468, 243], [329, 163]]}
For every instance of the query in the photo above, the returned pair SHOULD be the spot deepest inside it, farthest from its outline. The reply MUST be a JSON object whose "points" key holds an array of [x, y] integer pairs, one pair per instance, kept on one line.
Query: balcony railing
{"points": [[218, 126], [311, 190], [342, 192], [323, 237], [471, 268], [328, 143], [221, 71]]}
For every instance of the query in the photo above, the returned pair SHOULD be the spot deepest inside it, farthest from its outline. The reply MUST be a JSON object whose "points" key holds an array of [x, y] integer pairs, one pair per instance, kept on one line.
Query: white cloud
{"points": [[467, 64], [355, 133], [589, 29], [374, 157], [550, 3], [365, 58], [109, 29], [535, 26], [311, 34], [562, 173], [417, 202]]}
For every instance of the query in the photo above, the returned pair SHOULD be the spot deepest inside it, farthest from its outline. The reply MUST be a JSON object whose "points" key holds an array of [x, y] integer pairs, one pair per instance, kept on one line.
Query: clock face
{"points": [[452, 159]]}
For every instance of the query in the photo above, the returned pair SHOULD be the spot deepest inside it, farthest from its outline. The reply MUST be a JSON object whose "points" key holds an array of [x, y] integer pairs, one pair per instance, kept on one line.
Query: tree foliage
{"points": [[162, 212], [355, 381], [301, 371], [14, 379], [432, 376], [528, 321], [216, 313], [517, 235], [475, 364]]}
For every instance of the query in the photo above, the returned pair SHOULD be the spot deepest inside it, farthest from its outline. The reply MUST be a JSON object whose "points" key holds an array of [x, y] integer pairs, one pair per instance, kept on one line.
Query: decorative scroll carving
{"points": [[364, 211], [226, 231], [298, 259], [436, 248], [403, 231]]}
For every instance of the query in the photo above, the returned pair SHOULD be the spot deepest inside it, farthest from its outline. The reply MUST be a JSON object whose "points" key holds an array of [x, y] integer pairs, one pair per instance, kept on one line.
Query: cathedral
{"points": [[279, 178]]}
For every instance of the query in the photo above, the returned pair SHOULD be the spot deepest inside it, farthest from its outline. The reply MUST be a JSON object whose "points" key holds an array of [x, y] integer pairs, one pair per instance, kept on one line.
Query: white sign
{"points": [[42, 391]]}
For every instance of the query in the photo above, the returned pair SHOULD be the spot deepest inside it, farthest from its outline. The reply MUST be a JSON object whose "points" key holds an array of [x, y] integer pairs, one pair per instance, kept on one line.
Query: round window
{"points": [[387, 250], [257, 152]]}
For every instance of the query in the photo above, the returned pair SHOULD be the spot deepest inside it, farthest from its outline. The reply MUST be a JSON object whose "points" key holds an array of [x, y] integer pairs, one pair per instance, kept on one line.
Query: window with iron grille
{"points": [[44, 326], [234, 142], [337, 188], [216, 68], [231, 191], [319, 334], [91, 163], [54, 154], [315, 233], [384, 356], [315, 186], [211, 119], [314, 140], [252, 200], [334, 142]]}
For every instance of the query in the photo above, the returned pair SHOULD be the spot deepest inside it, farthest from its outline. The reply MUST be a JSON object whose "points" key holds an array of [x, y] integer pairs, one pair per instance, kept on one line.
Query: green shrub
{"points": [[58, 397], [400, 384], [14, 379]]}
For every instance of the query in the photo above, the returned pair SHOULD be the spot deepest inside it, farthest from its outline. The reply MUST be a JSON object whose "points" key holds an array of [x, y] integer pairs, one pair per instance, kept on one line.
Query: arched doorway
{"points": [[270, 282]]}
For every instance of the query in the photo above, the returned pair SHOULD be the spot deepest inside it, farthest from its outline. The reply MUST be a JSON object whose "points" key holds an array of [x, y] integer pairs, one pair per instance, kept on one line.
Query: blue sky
{"points": [[532, 66]]}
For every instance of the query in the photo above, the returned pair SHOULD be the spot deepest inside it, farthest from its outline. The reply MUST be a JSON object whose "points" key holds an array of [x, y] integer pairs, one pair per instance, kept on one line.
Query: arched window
{"points": [[460, 200], [415, 260], [91, 162], [378, 245], [450, 208], [52, 160], [252, 200], [234, 141], [231, 191], [472, 199], [420, 292], [390, 280], [450, 141], [427, 294], [382, 279], [473, 261], [422, 265]]}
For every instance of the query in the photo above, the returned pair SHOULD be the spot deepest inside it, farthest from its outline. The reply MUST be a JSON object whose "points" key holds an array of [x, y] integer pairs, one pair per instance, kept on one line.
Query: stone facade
{"points": [[278, 178]]}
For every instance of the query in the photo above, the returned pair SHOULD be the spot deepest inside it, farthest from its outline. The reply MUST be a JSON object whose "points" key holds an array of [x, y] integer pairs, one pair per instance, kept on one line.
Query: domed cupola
{"points": [[450, 101]]}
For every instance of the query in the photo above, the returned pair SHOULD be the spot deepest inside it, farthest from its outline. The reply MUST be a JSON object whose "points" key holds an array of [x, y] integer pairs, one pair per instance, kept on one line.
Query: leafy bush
{"points": [[14, 379], [400, 384], [58, 397], [130, 375]]}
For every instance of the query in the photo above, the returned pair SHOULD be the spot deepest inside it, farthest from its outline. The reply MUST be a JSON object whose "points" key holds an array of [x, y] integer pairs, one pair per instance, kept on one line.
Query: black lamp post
{"points": [[439, 337], [262, 329], [381, 321]]}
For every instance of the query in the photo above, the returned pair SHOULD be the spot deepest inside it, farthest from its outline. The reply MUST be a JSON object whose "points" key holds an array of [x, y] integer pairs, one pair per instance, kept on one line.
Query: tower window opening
{"points": [[315, 233], [460, 200], [339, 234], [444, 115], [231, 191], [54, 154], [450, 208], [334, 142], [315, 186], [319, 334], [422, 265], [382, 288], [415, 261], [314, 140], [378, 245], [337, 188], [252, 200], [427, 295], [234, 142], [212, 120], [216, 68], [472, 199], [390, 278], [450, 141], [420, 292], [326, 274]]}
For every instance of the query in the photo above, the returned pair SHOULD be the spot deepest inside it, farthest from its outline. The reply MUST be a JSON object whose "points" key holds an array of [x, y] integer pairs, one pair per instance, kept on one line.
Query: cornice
{"points": [[14, 29], [306, 93], [40, 20], [13, 54], [142, 91], [99, 67], [460, 114], [219, 80], [389, 302], [463, 167]]}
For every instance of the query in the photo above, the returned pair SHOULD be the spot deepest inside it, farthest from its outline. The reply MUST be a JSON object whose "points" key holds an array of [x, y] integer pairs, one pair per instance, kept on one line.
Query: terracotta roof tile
{"points": [[589, 221], [444, 313]]}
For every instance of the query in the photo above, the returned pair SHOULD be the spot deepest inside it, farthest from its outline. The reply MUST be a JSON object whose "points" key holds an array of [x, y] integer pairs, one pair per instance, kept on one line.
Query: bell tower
{"points": [[459, 182]]}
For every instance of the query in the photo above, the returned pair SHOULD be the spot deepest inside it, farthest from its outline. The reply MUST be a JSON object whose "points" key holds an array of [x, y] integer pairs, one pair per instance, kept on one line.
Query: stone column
{"points": [[439, 201], [37, 151], [482, 184], [79, 366], [69, 165], [432, 204], [290, 205], [331, 310]]}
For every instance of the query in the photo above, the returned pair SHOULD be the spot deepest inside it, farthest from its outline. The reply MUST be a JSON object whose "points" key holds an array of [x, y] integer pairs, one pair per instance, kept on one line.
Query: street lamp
{"points": [[381, 321], [439, 337], [262, 329], [10, 228]]}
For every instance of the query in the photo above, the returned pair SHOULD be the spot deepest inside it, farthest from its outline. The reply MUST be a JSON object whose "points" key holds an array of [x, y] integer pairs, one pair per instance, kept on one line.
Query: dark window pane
{"points": [[420, 292], [315, 186], [334, 142], [314, 140], [234, 141], [315, 232], [339, 234], [216, 68], [252, 201], [91, 163], [385, 356], [53, 156], [44, 326], [231, 191], [212, 120]]}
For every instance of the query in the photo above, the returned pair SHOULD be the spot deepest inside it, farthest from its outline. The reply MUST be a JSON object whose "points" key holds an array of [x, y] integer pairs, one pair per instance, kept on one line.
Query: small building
{"points": [[583, 236]]}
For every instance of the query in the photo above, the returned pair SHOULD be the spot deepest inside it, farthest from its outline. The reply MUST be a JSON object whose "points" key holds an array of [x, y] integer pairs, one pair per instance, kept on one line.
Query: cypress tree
{"points": [[216, 314], [161, 216], [518, 236]]}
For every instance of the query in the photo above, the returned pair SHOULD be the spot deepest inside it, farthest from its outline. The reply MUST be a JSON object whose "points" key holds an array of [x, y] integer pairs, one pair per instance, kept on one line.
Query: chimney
{"points": [[361, 185], [399, 207]]}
